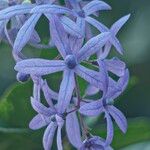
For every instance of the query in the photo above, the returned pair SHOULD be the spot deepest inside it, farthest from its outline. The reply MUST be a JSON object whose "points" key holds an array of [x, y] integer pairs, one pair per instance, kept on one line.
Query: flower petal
{"points": [[118, 24], [95, 6], [119, 118], [39, 66], [110, 129], [49, 93], [118, 87], [53, 9], [35, 38], [104, 77], [92, 109], [92, 46], [59, 36], [71, 27], [91, 90], [91, 76], [41, 109], [66, 90], [116, 66], [15, 10], [103, 53], [49, 135], [38, 122], [97, 24], [88, 31], [25, 33], [115, 42], [73, 130], [75, 4]]}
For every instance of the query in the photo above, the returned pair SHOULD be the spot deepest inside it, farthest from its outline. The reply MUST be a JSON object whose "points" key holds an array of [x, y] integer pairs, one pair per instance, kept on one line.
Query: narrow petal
{"points": [[53, 9], [123, 81], [115, 42], [66, 90], [97, 24], [73, 130], [116, 66], [59, 140], [2, 24], [25, 33], [49, 93], [38, 122], [91, 90], [39, 66], [81, 24], [91, 76], [75, 4], [104, 52], [49, 135], [95, 6], [118, 25], [35, 38], [118, 87], [92, 46], [104, 76], [59, 36], [71, 27], [60, 123], [88, 32], [92, 109], [110, 129], [41, 109], [15, 10], [119, 118], [75, 43]]}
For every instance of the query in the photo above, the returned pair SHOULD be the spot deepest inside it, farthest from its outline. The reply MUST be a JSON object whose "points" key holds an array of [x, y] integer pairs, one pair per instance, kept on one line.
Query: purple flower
{"points": [[94, 143], [47, 116], [25, 33], [69, 28], [70, 65], [113, 30], [82, 11], [105, 105], [14, 13]]}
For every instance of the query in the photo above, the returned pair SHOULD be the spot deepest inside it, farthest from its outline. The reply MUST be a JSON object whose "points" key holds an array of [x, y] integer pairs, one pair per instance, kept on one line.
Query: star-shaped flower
{"points": [[9, 14], [113, 30], [82, 11], [104, 105], [71, 64], [94, 143], [47, 116]]}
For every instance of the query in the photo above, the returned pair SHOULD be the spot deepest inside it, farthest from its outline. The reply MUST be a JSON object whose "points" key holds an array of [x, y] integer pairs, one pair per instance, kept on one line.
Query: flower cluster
{"points": [[70, 28]]}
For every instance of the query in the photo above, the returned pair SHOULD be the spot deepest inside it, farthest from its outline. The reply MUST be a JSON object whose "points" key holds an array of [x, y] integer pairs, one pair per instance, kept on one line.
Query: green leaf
{"points": [[138, 146], [15, 115]]}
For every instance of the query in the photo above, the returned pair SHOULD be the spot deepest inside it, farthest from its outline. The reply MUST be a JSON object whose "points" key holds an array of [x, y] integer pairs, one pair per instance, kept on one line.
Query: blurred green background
{"points": [[15, 109]]}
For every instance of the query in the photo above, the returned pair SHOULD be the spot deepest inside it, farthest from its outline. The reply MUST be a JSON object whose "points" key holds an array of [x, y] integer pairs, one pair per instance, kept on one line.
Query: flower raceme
{"points": [[70, 32]]}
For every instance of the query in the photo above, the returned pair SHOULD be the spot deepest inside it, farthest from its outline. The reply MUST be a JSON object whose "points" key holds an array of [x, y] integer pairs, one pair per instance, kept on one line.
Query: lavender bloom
{"points": [[82, 12], [16, 21], [104, 105], [69, 28], [47, 116], [70, 64], [115, 66], [27, 29], [114, 30], [94, 143]]}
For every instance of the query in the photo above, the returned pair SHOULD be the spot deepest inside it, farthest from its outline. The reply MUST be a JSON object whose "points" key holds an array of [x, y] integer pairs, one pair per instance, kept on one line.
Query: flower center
{"points": [[81, 14], [71, 61]]}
